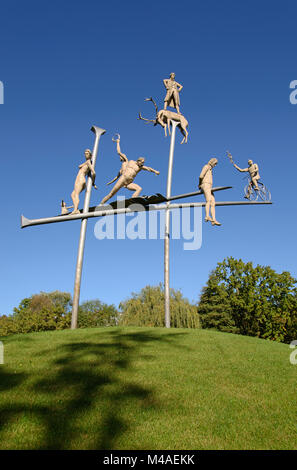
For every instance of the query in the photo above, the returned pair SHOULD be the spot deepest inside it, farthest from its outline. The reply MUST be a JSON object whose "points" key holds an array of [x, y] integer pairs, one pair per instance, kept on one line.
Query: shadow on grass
{"points": [[87, 389], [9, 380]]}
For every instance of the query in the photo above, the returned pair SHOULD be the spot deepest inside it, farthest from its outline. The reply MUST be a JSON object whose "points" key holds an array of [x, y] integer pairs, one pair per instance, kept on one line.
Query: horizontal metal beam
{"points": [[196, 193], [133, 208]]}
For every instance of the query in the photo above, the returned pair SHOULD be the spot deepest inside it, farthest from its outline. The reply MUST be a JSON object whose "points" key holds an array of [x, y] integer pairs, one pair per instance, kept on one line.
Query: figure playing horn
{"points": [[127, 173]]}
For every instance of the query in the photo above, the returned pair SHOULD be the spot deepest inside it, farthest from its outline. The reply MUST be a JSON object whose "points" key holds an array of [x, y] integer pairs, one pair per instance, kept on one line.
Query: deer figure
{"points": [[164, 118]]}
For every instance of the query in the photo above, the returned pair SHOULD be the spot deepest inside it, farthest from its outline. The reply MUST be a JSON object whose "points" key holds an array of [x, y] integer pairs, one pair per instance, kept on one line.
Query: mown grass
{"points": [[146, 388]]}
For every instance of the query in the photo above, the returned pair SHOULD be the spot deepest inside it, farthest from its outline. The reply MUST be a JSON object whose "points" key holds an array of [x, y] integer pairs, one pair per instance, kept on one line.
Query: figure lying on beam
{"points": [[127, 173], [205, 183]]}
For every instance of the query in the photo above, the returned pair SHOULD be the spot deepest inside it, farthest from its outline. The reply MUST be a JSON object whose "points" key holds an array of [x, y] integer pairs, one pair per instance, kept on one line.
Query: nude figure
{"points": [[172, 96], [80, 182], [126, 175], [253, 171], [205, 183]]}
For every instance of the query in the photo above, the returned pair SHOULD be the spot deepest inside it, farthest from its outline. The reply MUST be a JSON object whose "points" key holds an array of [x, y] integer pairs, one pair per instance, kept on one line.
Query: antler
{"points": [[145, 119], [153, 101], [156, 107]]}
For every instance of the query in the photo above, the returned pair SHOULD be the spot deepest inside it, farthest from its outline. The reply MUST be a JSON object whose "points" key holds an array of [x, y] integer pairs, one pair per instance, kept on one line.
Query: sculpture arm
{"points": [[121, 154], [93, 173], [165, 81], [180, 86], [112, 181], [202, 175], [240, 169], [148, 168]]}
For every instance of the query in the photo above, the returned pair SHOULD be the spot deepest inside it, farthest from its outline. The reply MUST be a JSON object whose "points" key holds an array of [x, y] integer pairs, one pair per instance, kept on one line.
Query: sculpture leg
{"points": [[75, 199], [134, 187], [255, 183], [163, 124], [114, 190], [213, 208], [213, 211], [208, 195], [185, 134], [249, 190]]}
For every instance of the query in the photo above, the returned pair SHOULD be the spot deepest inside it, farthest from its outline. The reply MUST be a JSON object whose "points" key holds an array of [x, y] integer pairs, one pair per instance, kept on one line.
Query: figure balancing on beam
{"points": [[127, 173]]}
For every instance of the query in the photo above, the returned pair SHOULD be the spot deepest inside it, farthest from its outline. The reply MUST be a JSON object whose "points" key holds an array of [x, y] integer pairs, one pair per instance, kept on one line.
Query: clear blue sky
{"points": [[68, 65]]}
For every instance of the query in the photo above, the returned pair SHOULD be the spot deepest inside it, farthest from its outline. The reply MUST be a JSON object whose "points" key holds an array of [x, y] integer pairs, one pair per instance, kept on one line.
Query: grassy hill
{"points": [[146, 388]]}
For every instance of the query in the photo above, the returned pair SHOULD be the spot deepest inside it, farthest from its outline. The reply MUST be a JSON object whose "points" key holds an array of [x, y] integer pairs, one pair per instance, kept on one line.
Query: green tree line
{"points": [[52, 311], [238, 298]]}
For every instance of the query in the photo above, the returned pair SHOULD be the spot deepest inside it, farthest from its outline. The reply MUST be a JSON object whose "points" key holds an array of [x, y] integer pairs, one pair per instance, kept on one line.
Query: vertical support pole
{"points": [[167, 228], [98, 132]]}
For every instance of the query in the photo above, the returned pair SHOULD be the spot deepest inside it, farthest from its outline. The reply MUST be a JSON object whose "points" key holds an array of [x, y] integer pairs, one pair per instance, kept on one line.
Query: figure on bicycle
{"points": [[253, 171]]}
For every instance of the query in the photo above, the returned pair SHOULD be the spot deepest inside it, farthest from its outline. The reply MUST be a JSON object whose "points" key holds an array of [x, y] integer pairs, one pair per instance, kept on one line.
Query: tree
{"points": [[255, 301], [215, 308], [146, 308], [94, 313], [43, 311], [7, 325]]}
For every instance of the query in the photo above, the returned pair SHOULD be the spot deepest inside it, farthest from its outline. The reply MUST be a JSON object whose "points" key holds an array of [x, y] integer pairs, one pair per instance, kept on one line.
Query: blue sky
{"points": [[69, 65]]}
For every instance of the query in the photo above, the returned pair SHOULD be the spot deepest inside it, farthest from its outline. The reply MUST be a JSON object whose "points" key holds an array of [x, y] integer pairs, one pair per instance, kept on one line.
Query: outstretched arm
{"points": [[240, 169], [148, 168]]}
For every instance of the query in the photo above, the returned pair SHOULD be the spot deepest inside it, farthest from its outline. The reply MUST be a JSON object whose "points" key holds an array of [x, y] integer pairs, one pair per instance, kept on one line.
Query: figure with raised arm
{"points": [[80, 182], [253, 171], [206, 183], [127, 173], [172, 96]]}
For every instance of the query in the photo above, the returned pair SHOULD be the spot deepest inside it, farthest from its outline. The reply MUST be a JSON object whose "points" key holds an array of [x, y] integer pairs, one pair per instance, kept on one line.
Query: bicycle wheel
{"points": [[253, 196], [264, 194]]}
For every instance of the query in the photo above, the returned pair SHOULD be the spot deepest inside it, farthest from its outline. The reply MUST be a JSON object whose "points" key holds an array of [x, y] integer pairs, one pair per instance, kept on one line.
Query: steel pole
{"points": [[81, 246], [167, 228]]}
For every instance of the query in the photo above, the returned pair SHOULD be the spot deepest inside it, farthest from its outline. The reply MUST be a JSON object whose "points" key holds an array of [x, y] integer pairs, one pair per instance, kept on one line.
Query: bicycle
{"points": [[252, 194]]}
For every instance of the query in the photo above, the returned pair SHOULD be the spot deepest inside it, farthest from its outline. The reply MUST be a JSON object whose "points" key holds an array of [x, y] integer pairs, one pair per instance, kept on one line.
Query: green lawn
{"points": [[146, 388]]}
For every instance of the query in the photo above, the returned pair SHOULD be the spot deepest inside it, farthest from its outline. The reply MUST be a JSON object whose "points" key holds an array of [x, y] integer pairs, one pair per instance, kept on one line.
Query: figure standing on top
{"points": [[172, 96]]}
